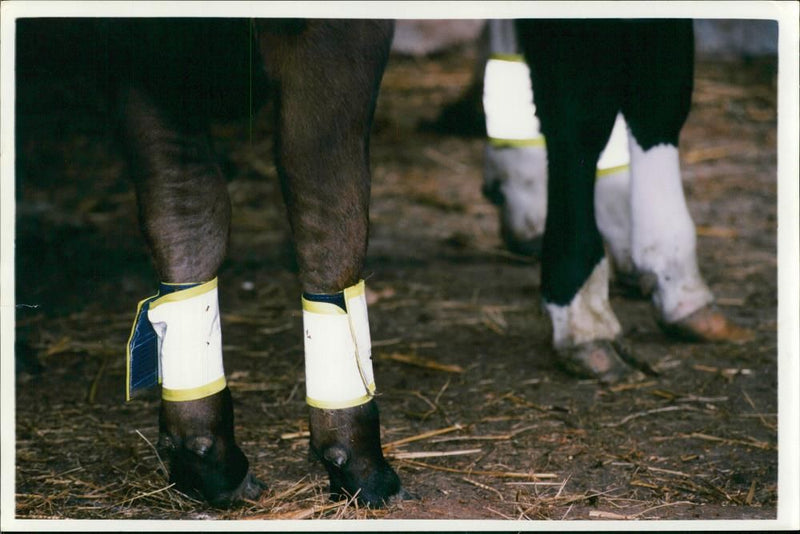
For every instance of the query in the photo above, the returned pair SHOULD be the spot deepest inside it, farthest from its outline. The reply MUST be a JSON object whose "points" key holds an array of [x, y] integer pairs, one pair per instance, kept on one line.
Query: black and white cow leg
{"points": [[185, 213], [664, 249], [577, 110], [586, 334], [612, 209], [663, 240], [323, 123], [515, 160]]}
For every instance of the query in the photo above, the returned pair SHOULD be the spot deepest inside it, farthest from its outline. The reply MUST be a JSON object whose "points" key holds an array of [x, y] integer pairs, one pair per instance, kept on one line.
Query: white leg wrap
{"points": [[508, 102], [612, 211], [589, 316], [612, 205], [663, 234], [189, 342], [515, 154], [615, 154], [338, 351]]}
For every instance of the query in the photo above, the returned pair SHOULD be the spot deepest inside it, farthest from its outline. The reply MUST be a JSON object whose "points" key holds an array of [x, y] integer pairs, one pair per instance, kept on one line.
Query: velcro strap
{"points": [[142, 352]]}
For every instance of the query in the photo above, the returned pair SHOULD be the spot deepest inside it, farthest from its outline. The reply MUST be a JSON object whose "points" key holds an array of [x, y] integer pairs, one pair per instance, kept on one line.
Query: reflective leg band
{"points": [[511, 115], [615, 156], [508, 102], [176, 340], [338, 350]]}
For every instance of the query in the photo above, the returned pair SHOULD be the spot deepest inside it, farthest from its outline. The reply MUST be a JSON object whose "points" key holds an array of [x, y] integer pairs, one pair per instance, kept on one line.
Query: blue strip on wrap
{"points": [[166, 289], [336, 298], [143, 370]]}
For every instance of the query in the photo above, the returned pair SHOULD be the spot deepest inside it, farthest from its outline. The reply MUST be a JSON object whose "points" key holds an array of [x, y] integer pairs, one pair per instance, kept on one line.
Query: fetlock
{"points": [[197, 440], [347, 442]]}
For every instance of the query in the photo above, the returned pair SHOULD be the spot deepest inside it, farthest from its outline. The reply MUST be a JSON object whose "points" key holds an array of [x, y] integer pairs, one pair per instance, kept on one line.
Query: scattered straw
{"points": [[627, 387], [495, 474], [760, 416], [721, 232], [728, 373], [600, 514], [431, 454], [729, 441], [296, 435], [501, 437], [142, 496], [750, 493], [158, 456], [424, 435], [752, 442], [90, 397], [648, 412], [419, 361], [483, 486]]}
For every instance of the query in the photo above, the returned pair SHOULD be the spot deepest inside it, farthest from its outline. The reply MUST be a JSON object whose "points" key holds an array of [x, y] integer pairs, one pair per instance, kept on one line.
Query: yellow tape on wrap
{"points": [[200, 392], [338, 351]]}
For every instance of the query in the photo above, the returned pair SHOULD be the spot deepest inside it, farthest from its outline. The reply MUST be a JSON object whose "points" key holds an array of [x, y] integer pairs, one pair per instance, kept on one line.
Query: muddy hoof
{"points": [[604, 360], [707, 325], [196, 440], [347, 441]]}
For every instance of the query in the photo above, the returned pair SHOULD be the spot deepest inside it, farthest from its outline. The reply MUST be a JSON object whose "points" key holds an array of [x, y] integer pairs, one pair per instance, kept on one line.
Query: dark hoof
{"points": [[401, 496], [707, 325], [196, 440], [531, 247], [373, 483], [347, 441], [604, 360], [250, 489]]}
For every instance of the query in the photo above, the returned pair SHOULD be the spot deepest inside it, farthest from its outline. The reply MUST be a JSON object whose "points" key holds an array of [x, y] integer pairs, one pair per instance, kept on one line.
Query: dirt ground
{"points": [[476, 419]]}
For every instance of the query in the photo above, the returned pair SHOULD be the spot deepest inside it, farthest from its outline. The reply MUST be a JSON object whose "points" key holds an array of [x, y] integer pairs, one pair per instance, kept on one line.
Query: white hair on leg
{"points": [[663, 234], [588, 317], [612, 207]]}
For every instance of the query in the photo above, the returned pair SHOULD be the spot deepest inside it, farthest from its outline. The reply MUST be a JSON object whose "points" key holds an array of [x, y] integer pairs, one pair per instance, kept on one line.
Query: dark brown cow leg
{"points": [[326, 76], [185, 213]]}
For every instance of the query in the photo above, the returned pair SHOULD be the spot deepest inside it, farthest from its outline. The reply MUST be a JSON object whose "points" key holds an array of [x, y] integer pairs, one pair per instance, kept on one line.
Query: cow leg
{"points": [[515, 157], [577, 110], [663, 240], [326, 76], [185, 212]]}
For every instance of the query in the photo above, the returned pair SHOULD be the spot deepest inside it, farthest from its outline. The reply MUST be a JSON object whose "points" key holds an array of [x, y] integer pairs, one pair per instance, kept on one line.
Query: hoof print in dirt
{"points": [[347, 442], [607, 361], [708, 325], [196, 440]]}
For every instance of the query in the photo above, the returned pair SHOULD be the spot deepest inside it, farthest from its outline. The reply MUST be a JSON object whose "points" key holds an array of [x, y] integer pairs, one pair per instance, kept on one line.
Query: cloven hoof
{"points": [[608, 361], [707, 325], [347, 442], [196, 439]]}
